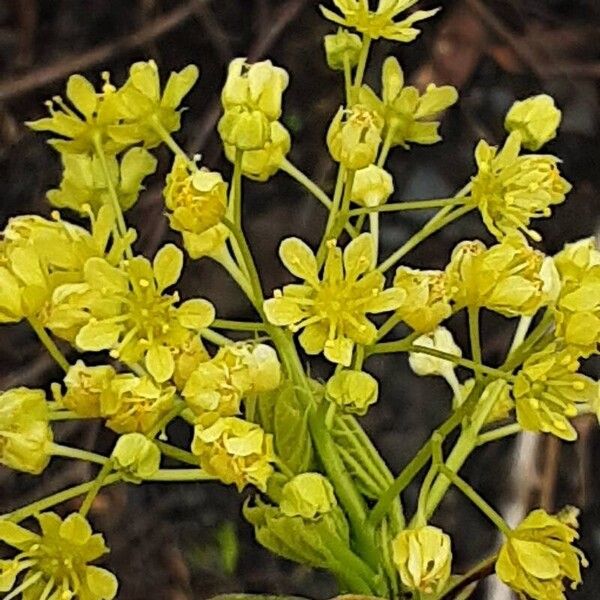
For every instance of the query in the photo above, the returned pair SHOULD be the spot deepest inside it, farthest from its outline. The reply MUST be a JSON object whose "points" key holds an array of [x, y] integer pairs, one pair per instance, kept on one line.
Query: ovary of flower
{"points": [[332, 309], [510, 189], [55, 564], [548, 390], [539, 554], [372, 186], [235, 451], [379, 23], [132, 316]]}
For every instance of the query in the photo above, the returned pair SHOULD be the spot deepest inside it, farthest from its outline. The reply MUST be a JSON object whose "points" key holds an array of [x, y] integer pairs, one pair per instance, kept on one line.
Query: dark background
{"points": [[178, 542]]}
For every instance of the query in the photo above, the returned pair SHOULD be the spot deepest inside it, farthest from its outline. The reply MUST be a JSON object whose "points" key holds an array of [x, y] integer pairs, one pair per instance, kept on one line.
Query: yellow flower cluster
{"points": [[332, 310]]}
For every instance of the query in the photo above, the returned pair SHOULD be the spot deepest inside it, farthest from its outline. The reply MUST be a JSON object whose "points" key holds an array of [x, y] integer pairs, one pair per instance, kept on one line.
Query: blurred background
{"points": [[188, 541]]}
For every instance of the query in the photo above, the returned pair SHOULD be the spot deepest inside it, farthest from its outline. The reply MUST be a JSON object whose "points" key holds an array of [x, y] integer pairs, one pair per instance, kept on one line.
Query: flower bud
{"points": [[208, 243], [354, 137], [264, 368], [308, 495], [342, 48], [244, 129], [136, 457], [536, 119], [372, 186], [423, 557], [352, 391], [25, 434], [424, 364]]}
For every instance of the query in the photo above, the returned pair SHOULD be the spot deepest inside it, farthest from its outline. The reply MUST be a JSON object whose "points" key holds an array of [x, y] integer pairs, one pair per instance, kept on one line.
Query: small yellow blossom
{"points": [[140, 320], [511, 189], [148, 113], [427, 302], [209, 243], [353, 391], [536, 119], [409, 116], [235, 451], [548, 389], [354, 137], [55, 564], [262, 163], [84, 185], [332, 310], [136, 457], [539, 554], [191, 353], [25, 434], [505, 278], [92, 117], [195, 198], [342, 48], [372, 186], [423, 557], [379, 23], [308, 495]]}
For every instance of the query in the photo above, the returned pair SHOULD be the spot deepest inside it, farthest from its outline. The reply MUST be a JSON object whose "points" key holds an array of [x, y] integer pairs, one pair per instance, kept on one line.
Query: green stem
{"points": [[333, 213], [385, 149], [437, 222], [76, 453], [63, 415], [181, 475], [176, 453], [412, 205], [473, 313], [235, 202], [215, 338], [347, 79], [168, 139], [498, 433], [97, 484], [237, 325], [362, 64], [342, 217], [374, 230], [49, 344], [478, 572]]}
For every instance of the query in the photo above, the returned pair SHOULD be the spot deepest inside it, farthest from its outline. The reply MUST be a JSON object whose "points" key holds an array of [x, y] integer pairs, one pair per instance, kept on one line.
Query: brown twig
{"points": [[549, 473], [40, 77]]}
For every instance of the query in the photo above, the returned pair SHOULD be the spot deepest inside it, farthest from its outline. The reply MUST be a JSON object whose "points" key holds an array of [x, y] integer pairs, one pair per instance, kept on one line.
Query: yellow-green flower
{"points": [[148, 113], [353, 391], [261, 164], [235, 451], [539, 555], [308, 495], [423, 557], [136, 457], [505, 278], [209, 243], [84, 185], [92, 116], [191, 353], [196, 199], [342, 48], [427, 302], [548, 390], [379, 23], [536, 119], [409, 116], [372, 186], [511, 189], [354, 137], [25, 434], [55, 564], [132, 316], [332, 310]]}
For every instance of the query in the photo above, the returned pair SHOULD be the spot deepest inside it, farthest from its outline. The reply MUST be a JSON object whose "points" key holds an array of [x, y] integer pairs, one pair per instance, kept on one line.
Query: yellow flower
{"points": [[209, 243], [510, 190], [196, 199], [372, 186], [538, 555], [55, 564], [262, 163], [409, 116], [353, 391], [145, 110], [342, 48], [577, 309], [132, 316], [84, 185], [354, 137], [427, 303], [379, 23], [191, 353], [505, 278], [423, 557], [93, 115], [536, 119], [235, 451], [25, 434], [548, 389], [136, 457], [332, 310], [308, 495]]}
